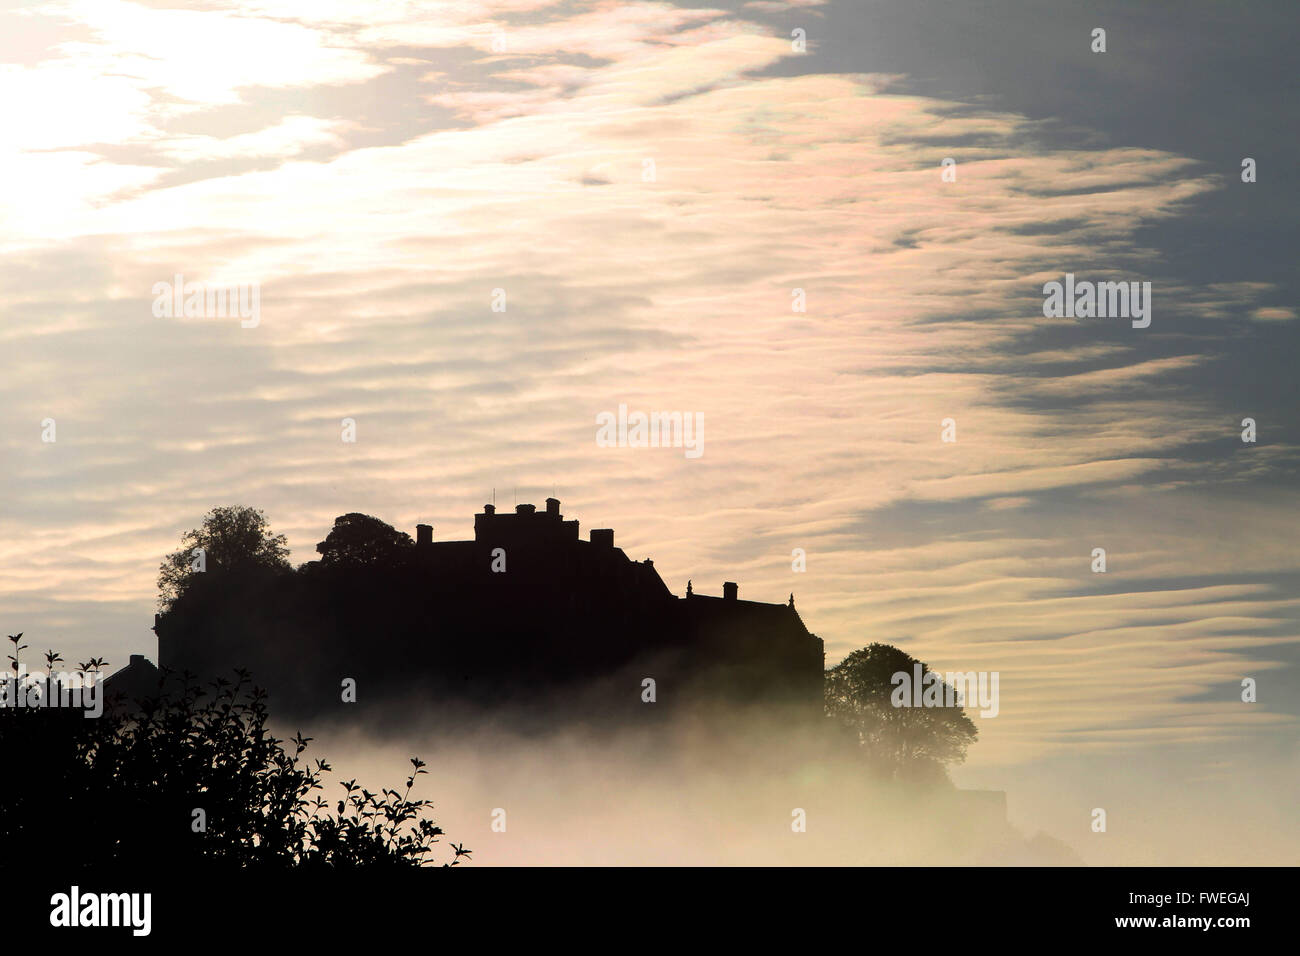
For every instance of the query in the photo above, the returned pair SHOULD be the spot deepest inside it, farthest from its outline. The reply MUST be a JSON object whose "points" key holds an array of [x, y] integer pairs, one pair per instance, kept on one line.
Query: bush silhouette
{"points": [[128, 784]]}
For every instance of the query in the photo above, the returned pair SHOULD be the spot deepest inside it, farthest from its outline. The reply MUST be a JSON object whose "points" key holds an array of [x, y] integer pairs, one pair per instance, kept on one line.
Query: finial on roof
{"points": [[792, 599], [689, 592]]}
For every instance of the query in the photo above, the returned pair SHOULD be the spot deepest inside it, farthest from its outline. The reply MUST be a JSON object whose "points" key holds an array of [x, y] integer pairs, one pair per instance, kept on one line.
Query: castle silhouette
{"points": [[526, 615]]}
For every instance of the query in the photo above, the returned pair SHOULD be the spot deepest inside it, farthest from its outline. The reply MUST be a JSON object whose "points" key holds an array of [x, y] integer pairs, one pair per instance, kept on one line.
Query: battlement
{"points": [[525, 526]]}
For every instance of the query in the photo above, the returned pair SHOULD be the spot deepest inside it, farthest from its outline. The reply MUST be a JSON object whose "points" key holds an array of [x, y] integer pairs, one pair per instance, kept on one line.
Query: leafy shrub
{"points": [[123, 788]]}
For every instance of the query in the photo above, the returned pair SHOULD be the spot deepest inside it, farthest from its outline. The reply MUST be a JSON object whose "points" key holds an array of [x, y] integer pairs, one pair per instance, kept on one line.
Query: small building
{"points": [[139, 680]]}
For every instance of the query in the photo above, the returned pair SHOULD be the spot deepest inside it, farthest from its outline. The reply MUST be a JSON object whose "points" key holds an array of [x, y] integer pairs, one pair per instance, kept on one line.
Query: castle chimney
{"points": [[729, 590], [602, 537], [136, 659], [424, 534], [525, 509], [489, 509], [553, 507]]}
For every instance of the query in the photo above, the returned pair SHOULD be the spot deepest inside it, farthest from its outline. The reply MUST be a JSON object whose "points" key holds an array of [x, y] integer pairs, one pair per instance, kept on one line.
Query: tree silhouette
{"points": [[193, 778], [231, 538], [912, 743], [360, 540]]}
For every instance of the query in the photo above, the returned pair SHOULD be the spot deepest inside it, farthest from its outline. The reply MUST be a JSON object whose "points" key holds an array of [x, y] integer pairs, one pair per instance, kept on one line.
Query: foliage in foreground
{"points": [[126, 788]]}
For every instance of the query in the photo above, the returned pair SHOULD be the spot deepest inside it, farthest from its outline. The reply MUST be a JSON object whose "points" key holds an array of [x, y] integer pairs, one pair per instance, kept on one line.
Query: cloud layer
{"points": [[653, 198]]}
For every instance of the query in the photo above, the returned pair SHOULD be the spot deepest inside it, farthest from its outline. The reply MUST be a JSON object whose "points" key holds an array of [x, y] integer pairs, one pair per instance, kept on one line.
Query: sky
{"points": [[646, 192]]}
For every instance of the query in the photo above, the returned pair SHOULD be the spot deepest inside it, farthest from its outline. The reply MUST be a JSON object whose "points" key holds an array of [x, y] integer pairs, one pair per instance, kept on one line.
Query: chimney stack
{"points": [[729, 590], [602, 537], [489, 509], [424, 534], [553, 507], [136, 659], [525, 509]]}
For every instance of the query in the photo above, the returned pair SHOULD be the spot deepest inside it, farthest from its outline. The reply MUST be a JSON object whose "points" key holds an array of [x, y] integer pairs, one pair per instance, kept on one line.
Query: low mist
{"points": [[687, 794]]}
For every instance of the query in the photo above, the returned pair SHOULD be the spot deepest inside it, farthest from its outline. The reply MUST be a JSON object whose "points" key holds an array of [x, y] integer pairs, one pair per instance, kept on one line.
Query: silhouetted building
{"points": [[527, 611], [137, 681]]}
